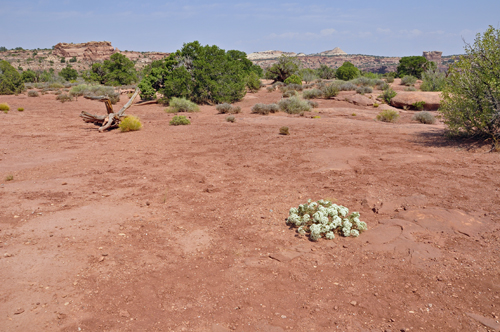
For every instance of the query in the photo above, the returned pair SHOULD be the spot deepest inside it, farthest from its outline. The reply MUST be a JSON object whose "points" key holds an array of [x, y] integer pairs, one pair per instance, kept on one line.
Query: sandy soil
{"points": [[183, 228]]}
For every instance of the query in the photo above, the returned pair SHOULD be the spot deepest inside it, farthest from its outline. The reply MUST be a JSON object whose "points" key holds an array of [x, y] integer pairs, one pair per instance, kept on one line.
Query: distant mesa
{"points": [[335, 51], [87, 51], [269, 55]]}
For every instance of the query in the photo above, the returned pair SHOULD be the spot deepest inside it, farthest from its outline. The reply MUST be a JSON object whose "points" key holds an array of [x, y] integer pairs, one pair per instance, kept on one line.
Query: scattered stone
{"points": [[124, 313], [408, 98], [19, 311], [354, 303], [488, 322]]}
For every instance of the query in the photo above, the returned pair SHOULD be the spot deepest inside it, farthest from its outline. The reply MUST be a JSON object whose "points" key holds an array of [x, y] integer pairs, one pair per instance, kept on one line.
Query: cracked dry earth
{"points": [[183, 228]]}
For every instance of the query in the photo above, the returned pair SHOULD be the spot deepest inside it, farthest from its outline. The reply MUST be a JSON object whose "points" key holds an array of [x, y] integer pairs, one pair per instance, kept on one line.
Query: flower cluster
{"points": [[325, 218]]}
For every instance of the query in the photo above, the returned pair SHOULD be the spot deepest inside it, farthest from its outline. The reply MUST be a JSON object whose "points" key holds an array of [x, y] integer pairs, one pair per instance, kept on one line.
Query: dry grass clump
{"points": [[182, 105], [33, 93], [64, 98], [388, 116], [20, 109], [179, 120], [313, 103], [294, 105], [130, 123], [4, 107], [228, 109], [424, 117], [330, 91], [231, 119], [264, 109], [364, 89], [284, 131], [56, 86], [312, 94], [9, 177]]}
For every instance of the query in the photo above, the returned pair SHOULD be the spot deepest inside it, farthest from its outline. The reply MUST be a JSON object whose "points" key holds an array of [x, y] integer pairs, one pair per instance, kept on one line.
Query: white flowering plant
{"points": [[324, 219]]}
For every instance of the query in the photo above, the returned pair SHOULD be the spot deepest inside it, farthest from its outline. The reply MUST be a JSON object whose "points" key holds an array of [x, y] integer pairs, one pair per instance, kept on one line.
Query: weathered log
{"points": [[112, 120]]}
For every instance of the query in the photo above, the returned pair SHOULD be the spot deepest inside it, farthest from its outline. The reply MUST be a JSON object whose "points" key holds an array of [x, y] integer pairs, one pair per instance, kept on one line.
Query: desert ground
{"points": [[183, 228]]}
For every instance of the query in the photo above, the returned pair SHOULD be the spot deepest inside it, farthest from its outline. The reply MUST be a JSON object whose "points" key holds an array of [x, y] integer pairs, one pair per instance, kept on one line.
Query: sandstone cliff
{"points": [[92, 51]]}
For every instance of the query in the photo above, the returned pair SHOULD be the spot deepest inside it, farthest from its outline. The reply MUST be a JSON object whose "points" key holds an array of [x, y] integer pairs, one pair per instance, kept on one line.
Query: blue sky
{"points": [[388, 28]]}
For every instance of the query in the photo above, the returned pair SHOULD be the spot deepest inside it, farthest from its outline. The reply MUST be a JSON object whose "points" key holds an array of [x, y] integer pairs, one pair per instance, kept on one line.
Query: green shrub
{"points": [[347, 71], [264, 109], [325, 219], [411, 88], [381, 85], [95, 91], [179, 120], [182, 105], [293, 86], [311, 94], [376, 105], [294, 79], [253, 82], [330, 91], [325, 72], [231, 119], [419, 105], [433, 80], [313, 104], [33, 93], [364, 89], [202, 74], [284, 131], [414, 66], [68, 73], [118, 70], [20, 109], [347, 86], [408, 80], [130, 123], [389, 79], [387, 95], [4, 107], [56, 85], [290, 93], [424, 117], [388, 116], [471, 97], [294, 105], [308, 74], [270, 88], [227, 109], [64, 98], [58, 92], [284, 67], [10, 80]]}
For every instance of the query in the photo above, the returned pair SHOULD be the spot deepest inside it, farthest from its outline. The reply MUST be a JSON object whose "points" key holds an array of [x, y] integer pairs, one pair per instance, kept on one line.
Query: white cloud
{"points": [[328, 32]]}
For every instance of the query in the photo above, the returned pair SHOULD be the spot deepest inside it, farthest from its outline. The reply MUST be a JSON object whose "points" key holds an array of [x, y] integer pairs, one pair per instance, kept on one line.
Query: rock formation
{"points": [[335, 51], [268, 55], [434, 56], [91, 51]]}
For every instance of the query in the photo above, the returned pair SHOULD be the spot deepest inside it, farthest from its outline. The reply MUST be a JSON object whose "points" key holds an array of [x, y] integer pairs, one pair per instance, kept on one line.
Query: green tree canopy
{"points": [[414, 66], [347, 71], [29, 76], [471, 96], [68, 73], [10, 80], [285, 67], [203, 74], [325, 72], [118, 70]]}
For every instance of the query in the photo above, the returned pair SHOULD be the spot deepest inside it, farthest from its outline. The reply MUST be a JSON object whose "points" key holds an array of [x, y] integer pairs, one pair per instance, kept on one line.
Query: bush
{"points": [[64, 98], [58, 92], [202, 74], [29, 76], [33, 93], [118, 70], [308, 75], [4, 107], [387, 95], [382, 85], [330, 91], [364, 89], [284, 131], [293, 86], [433, 80], [182, 105], [253, 82], [325, 72], [294, 79], [95, 91], [284, 67], [56, 85], [411, 88], [348, 86], [227, 109], [10, 80], [347, 71], [325, 219], [289, 93], [270, 88], [231, 119], [313, 104], [20, 109], [294, 105], [9, 177], [419, 105], [179, 120], [389, 79], [424, 117], [471, 96], [130, 123], [414, 66], [264, 109], [68, 73], [388, 116], [408, 80], [311, 94]]}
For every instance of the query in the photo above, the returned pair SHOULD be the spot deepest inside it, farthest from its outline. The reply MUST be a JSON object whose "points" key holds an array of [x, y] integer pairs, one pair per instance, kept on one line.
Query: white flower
{"points": [[346, 231], [318, 216], [354, 233], [306, 218], [294, 219], [293, 211], [301, 230], [362, 226], [313, 205], [343, 211], [346, 223], [336, 221], [330, 235]]}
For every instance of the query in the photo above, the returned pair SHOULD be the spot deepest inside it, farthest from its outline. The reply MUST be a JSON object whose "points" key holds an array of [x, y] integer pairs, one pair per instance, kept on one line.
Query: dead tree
{"points": [[112, 120]]}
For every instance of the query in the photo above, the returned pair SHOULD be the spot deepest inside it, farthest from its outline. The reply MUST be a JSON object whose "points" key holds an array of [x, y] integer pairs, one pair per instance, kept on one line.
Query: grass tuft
{"points": [[179, 120], [388, 116], [182, 105], [294, 105], [130, 123], [284, 131], [424, 117]]}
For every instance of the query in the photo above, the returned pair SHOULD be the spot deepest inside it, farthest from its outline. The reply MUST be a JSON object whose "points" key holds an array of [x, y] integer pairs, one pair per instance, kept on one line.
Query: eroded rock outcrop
{"points": [[407, 98], [434, 56], [91, 51]]}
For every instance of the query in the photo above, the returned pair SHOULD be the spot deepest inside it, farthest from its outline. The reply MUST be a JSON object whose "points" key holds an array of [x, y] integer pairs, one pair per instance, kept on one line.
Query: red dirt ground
{"points": [[183, 228]]}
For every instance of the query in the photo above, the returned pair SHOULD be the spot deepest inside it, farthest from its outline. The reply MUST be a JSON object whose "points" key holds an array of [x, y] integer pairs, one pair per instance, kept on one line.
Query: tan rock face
{"points": [[434, 56], [408, 98], [92, 51]]}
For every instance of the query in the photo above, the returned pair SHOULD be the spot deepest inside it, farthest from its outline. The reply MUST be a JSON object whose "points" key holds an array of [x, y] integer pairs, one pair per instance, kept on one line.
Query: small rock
{"points": [[19, 311], [124, 313], [64, 183], [354, 303], [101, 259], [7, 255]]}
